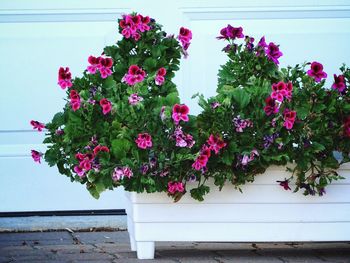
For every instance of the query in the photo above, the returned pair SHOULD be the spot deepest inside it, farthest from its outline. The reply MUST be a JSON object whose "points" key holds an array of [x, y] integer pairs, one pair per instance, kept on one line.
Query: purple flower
{"points": [[249, 43], [241, 124], [182, 139], [273, 53], [152, 162], [269, 139], [231, 32], [134, 99], [215, 105], [144, 169]]}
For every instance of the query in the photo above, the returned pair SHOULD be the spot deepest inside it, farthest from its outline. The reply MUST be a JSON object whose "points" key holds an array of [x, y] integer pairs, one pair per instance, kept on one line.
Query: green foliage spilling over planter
{"points": [[123, 123]]}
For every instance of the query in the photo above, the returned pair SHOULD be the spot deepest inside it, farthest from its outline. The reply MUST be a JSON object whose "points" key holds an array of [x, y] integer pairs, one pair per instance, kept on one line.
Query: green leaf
{"points": [[241, 97], [109, 84], [172, 98], [120, 147]]}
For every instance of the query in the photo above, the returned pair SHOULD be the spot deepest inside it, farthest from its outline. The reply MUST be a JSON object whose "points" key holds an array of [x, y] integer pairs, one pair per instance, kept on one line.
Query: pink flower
{"points": [[100, 148], [271, 106], [121, 172], [127, 172], [74, 99], [339, 83], [180, 112], [134, 99], [316, 71], [134, 75], [93, 64], [36, 156], [289, 119], [205, 151], [231, 32], [273, 53], [174, 187], [104, 66], [185, 36], [37, 125], [289, 90], [85, 164], [79, 170], [106, 106], [160, 76], [64, 78], [279, 91], [144, 141], [241, 124], [215, 143], [200, 162], [118, 174]]}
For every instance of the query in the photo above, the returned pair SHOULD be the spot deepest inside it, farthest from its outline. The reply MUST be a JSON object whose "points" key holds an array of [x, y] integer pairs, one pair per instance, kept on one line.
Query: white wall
{"points": [[37, 37]]}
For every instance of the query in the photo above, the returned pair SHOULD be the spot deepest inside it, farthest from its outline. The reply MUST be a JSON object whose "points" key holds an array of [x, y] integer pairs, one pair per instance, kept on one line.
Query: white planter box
{"points": [[264, 212]]}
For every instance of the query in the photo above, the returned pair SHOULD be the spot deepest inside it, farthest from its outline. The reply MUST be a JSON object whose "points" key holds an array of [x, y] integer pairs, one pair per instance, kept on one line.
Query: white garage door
{"points": [[37, 37]]}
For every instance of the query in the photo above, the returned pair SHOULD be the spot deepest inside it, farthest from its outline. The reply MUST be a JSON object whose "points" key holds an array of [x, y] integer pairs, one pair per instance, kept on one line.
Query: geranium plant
{"points": [[123, 123], [276, 116]]}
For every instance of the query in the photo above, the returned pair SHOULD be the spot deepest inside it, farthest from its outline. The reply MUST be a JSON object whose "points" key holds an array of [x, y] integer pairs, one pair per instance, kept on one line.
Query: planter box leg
{"points": [[145, 250], [132, 242]]}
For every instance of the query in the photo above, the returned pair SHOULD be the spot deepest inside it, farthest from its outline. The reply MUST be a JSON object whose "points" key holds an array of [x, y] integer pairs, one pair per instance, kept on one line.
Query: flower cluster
{"points": [[289, 118], [185, 36], [133, 25], [64, 78], [120, 172], [102, 64], [282, 90], [174, 187], [134, 99], [134, 75], [241, 124], [182, 139], [88, 160], [74, 99], [231, 33]]}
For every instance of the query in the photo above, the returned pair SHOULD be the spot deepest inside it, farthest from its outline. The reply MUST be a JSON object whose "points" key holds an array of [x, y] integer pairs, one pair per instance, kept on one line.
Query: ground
{"points": [[69, 246]]}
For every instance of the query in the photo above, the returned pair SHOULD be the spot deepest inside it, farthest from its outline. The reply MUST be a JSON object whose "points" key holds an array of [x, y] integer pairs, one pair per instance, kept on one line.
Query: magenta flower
{"points": [[160, 77], [215, 143], [289, 118], [174, 187], [279, 91], [36, 156], [134, 75], [37, 125], [104, 66], [273, 53], [200, 162], [64, 78], [284, 184], [215, 105], [85, 164], [132, 26], [93, 64], [100, 148], [127, 172], [79, 171], [316, 71], [289, 90], [231, 32], [180, 112], [134, 99], [74, 99], [144, 141], [262, 43], [185, 36], [339, 83], [205, 151], [271, 106], [106, 106]]}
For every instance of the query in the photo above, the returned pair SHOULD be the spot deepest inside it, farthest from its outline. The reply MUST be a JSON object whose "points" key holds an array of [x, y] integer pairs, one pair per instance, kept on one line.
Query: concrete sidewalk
{"points": [[65, 246]]}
